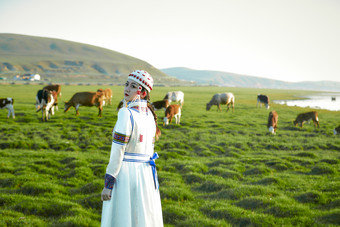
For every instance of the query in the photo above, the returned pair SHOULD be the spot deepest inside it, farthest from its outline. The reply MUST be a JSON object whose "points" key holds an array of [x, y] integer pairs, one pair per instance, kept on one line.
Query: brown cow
{"points": [[54, 87], [85, 99], [8, 104], [163, 104], [302, 117], [107, 95], [173, 110], [272, 121]]}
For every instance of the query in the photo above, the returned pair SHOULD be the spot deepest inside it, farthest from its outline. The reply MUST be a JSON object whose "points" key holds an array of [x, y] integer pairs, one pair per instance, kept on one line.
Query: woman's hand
{"points": [[106, 194], [109, 182]]}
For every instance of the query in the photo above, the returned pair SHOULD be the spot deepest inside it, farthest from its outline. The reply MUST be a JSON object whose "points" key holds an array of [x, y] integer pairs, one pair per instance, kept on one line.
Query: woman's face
{"points": [[130, 90]]}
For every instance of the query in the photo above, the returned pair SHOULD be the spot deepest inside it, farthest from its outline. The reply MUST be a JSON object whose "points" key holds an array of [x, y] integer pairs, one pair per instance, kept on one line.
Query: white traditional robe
{"points": [[135, 201]]}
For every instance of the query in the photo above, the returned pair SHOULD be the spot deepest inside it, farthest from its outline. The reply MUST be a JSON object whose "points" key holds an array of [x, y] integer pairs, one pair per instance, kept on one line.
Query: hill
{"points": [[59, 60], [206, 77], [64, 61]]}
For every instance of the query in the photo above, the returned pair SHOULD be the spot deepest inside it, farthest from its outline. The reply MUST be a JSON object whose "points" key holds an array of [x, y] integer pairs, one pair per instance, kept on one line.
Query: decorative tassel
{"points": [[136, 99]]}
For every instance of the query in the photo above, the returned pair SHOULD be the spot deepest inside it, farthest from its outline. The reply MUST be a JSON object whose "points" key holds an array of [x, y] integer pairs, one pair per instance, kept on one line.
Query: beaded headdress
{"points": [[143, 78]]}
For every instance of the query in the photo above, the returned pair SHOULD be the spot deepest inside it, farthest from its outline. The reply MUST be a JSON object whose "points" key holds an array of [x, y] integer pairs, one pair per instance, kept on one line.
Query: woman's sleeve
{"points": [[121, 136]]}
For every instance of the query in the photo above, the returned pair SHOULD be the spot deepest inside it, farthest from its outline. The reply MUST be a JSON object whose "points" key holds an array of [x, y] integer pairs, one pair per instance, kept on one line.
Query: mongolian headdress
{"points": [[144, 79]]}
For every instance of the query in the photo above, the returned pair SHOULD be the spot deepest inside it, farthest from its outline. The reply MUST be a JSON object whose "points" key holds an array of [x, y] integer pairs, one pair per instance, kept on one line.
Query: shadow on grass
{"points": [[330, 219], [311, 197]]}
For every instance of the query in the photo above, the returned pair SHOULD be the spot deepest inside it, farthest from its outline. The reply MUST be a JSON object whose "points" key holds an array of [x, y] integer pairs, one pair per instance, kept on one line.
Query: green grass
{"points": [[215, 169]]}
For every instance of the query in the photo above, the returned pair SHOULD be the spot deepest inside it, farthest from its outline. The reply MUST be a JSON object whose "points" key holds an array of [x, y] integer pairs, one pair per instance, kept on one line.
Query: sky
{"points": [[288, 40]]}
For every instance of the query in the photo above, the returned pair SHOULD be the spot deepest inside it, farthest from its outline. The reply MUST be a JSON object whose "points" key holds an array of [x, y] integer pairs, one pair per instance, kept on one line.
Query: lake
{"points": [[317, 101]]}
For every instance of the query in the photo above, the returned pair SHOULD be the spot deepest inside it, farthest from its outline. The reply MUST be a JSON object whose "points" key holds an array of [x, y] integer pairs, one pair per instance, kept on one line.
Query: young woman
{"points": [[131, 194]]}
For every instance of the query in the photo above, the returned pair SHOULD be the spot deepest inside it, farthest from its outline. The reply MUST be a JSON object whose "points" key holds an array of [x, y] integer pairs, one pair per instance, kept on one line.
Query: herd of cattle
{"points": [[47, 100], [229, 100]]}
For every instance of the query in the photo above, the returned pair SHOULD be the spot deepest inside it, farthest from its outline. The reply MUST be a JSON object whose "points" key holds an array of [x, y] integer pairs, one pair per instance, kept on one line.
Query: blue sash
{"points": [[144, 158]]}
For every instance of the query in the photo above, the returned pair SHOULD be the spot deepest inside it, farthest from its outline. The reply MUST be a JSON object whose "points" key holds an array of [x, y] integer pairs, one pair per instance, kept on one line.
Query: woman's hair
{"points": [[147, 98]]}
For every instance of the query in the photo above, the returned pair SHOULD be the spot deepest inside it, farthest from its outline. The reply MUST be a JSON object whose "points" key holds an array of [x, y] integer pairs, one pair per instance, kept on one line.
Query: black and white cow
{"points": [[8, 104], [57, 89], [45, 102], [262, 99]]}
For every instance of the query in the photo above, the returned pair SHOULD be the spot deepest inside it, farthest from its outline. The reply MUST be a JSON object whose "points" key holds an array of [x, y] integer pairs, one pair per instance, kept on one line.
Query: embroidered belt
{"points": [[144, 158]]}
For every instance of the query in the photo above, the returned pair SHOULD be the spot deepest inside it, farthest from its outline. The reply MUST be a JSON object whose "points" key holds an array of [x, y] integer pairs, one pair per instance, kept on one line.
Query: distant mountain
{"points": [[66, 61], [217, 78], [59, 60]]}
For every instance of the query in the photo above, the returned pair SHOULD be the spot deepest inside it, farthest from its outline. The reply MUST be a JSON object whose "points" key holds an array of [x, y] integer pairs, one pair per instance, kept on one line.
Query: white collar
{"points": [[138, 102], [138, 105]]}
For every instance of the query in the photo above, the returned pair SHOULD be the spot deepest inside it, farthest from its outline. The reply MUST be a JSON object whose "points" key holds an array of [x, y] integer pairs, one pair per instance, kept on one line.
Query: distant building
{"points": [[35, 76], [29, 77]]}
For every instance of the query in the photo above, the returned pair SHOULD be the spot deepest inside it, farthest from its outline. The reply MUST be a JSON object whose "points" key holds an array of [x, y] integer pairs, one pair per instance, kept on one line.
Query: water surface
{"points": [[317, 101]]}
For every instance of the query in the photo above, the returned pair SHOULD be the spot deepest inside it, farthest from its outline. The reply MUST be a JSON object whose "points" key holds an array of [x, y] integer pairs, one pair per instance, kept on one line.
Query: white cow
{"points": [[175, 96], [222, 99]]}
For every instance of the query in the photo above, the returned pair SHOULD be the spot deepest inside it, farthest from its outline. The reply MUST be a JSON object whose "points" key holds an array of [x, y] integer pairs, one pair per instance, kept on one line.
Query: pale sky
{"points": [[289, 40]]}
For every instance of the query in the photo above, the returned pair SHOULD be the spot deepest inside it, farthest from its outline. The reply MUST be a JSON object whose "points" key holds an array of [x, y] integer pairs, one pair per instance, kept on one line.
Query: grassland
{"points": [[215, 169]]}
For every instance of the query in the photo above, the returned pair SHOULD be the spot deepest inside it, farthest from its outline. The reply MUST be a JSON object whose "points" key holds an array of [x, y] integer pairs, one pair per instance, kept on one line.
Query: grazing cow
{"points": [[336, 130], [54, 87], [107, 96], [8, 104], [163, 104], [45, 103], [85, 99], [175, 96], [173, 110], [262, 99], [302, 117], [57, 89], [272, 121], [222, 99], [104, 96]]}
